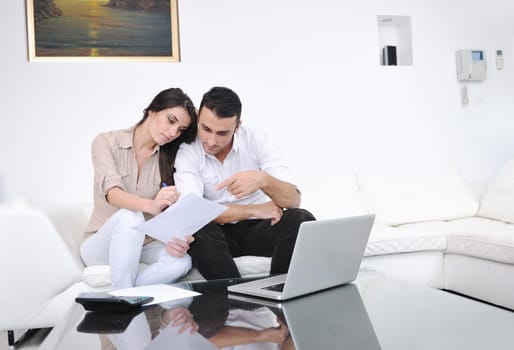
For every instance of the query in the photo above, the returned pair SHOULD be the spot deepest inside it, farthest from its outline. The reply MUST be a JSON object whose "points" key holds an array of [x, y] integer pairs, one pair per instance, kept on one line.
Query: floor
{"points": [[3, 341], [27, 345]]}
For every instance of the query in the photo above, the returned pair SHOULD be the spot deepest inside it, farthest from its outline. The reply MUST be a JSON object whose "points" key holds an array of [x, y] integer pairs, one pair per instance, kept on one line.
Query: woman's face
{"points": [[166, 125]]}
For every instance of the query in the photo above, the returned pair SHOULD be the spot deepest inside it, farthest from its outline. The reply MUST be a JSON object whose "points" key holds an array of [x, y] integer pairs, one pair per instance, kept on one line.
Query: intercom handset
{"points": [[471, 65], [499, 59]]}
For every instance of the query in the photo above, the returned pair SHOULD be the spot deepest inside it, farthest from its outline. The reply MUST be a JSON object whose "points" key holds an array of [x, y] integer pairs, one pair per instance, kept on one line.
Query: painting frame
{"points": [[174, 55]]}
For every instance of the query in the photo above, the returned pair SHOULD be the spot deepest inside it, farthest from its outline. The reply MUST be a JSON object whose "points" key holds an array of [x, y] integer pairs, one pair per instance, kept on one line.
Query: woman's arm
{"points": [[122, 199], [108, 181]]}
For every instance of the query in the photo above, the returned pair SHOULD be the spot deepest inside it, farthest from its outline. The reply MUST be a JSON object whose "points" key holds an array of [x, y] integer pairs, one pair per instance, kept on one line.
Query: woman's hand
{"points": [[179, 247], [163, 199]]}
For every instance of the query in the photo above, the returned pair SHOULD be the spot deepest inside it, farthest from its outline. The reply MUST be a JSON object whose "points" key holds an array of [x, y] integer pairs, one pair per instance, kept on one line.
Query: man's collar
{"points": [[235, 141], [234, 148]]}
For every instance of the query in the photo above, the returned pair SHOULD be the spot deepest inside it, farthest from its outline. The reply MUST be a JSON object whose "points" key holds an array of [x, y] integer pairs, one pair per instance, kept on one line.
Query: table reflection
{"points": [[332, 319]]}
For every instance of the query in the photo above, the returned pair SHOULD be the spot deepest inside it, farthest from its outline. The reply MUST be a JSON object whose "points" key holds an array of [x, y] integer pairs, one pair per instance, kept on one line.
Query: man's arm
{"points": [[187, 175], [230, 336], [282, 193], [237, 212], [272, 176]]}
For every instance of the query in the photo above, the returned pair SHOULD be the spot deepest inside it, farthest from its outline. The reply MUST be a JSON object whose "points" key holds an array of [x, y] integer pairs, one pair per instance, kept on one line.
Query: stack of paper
{"points": [[186, 216]]}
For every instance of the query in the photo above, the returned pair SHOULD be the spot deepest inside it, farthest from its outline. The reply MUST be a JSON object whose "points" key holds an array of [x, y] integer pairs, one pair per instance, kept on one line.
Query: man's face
{"points": [[216, 133]]}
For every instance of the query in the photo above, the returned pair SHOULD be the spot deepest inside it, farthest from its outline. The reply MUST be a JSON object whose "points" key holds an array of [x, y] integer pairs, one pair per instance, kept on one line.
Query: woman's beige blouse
{"points": [[115, 165]]}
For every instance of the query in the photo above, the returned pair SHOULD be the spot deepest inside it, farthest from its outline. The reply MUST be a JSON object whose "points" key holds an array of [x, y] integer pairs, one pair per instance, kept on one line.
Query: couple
{"points": [[171, 151]]}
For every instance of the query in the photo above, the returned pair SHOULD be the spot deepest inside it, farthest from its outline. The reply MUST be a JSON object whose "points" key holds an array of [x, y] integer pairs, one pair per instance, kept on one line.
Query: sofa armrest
{"points": [[36, 264], [70, 221]]}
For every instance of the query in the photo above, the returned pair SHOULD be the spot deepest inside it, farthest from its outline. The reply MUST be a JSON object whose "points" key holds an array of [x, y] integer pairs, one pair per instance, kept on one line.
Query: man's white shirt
{"points": [[200, 173]]}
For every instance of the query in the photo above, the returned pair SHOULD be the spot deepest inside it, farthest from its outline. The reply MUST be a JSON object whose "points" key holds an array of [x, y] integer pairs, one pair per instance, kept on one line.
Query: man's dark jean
{"points": [[215, 245]]}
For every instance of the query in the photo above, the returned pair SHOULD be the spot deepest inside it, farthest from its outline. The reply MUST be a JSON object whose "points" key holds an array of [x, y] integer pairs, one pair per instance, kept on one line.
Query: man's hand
{"points": [[179, 247], [268, 210], [274, 335], [244, 183]]}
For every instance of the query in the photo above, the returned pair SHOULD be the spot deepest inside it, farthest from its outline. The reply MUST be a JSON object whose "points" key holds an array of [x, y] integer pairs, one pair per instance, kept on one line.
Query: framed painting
{"points": [[135, 30]]}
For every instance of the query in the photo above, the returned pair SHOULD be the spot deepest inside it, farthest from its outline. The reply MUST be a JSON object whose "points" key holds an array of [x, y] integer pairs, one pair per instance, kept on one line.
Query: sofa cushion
{"points": [[429, 236], [498, 199], [99, 276], [70, 219], [332, 195], [253, 266], [482, 238], [401, 199]]}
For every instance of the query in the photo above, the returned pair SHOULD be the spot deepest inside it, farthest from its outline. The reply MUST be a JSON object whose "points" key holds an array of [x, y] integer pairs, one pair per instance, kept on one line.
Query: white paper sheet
{"points": [[161, 293], [189, 214]]}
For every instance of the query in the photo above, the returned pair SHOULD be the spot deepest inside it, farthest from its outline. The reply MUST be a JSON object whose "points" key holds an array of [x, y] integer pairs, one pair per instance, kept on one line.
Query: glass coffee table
{"points": [[373, 312]]}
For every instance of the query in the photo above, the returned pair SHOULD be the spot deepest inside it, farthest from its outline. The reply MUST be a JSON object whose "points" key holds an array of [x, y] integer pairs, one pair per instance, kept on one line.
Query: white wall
{"points": [[307, 72]]}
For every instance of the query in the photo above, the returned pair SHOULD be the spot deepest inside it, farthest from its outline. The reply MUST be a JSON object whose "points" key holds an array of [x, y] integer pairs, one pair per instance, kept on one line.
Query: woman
{"points": [[132, 167]]}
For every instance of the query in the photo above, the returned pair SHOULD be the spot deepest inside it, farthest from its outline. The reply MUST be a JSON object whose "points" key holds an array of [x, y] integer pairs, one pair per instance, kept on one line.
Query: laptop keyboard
{"points": [[276, 287]]}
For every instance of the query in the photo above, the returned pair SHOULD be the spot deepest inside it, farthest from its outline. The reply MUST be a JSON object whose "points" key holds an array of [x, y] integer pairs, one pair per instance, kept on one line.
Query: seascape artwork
{"points": [[103, 28]]}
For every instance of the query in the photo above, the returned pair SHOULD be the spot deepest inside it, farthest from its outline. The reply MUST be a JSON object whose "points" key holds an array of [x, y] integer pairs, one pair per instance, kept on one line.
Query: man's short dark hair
{"points": [[223, 102]]}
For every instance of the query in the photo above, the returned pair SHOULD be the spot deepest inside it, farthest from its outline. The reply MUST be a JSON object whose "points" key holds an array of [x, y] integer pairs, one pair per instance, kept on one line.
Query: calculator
{"points": [[101, 301]]}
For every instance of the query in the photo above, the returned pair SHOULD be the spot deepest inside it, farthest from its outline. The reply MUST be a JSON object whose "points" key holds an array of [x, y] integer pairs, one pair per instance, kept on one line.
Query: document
{"points": [[186, 216], [161, 293]]}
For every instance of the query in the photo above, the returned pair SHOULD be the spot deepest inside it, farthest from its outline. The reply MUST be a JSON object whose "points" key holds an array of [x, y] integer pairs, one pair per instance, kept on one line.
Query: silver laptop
{"points": [[331, 319], [327, 253]]}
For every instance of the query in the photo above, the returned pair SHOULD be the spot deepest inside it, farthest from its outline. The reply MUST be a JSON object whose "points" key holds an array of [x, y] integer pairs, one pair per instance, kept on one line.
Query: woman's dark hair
{"points": [[169, 98]]}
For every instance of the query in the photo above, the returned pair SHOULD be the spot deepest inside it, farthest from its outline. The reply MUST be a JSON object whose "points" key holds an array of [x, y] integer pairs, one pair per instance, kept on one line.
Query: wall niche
{"points": [[394, 40]]}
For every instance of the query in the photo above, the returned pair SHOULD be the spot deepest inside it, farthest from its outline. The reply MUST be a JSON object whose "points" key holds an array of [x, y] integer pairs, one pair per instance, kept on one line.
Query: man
{"points": [[238, 167]]}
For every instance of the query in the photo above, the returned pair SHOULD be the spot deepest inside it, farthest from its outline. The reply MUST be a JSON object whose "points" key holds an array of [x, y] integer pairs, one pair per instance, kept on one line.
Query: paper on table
{"points": [[186, 216], [160, 292]]}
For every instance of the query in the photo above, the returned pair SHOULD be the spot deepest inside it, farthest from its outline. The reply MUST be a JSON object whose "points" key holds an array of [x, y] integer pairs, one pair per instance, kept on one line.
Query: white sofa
{"points": [[41, 268], [432, 229], [429, 229]]}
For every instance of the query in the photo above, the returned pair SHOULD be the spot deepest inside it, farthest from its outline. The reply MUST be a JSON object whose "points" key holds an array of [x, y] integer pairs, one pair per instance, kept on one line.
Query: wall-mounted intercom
{"points": [[471, 65]]}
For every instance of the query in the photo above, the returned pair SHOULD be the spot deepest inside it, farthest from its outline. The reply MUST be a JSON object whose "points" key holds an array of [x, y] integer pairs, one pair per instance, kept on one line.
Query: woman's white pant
{"points": [[121, 247]]}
